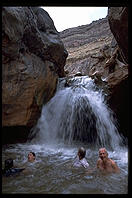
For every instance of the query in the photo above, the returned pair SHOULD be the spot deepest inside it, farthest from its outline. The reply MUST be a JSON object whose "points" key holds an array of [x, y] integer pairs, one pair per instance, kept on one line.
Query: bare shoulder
{"points": [[115, 167], [113, 162], [98, 162]]}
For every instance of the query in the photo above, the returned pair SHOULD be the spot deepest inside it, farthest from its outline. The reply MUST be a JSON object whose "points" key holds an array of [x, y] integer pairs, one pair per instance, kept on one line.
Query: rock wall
{"points": [[93, 51], [33, 57], [118, 21], [120, 98], [82, 43]]}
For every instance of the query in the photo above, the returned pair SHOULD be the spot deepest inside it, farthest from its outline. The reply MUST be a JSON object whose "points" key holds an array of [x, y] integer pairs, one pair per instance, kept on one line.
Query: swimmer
{"points": [[9, 169], [106, 164], [80, 160], [31, 157]]}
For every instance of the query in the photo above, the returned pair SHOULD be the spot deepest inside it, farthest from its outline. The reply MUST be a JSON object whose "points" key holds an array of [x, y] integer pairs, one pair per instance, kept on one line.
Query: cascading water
{"points": [[78, 112], [76, 116]]}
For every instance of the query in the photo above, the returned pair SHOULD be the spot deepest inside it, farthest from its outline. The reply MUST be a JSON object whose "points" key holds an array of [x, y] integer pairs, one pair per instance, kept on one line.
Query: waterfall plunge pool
{"points": [[76, 116]]}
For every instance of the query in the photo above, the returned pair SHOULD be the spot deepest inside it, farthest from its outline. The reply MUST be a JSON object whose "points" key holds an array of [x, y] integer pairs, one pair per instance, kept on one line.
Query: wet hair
{"points": [[33, 154], [82, 152], [8, 163]]}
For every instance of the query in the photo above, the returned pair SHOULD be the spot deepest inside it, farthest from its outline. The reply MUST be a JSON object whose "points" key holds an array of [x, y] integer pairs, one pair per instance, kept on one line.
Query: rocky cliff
{"points": [[100, 51], [33, 57], [120, 98], [118, 21], [93, 51]]}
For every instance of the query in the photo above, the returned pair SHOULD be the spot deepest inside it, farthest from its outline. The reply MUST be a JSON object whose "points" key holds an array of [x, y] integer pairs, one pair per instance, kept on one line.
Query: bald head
{"points": [[103, 149]]}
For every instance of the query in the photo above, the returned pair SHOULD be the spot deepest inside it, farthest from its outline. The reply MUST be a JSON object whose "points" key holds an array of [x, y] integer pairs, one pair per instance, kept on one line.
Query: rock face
{"points": [[82, 43], [118, 20], [94, 51], [120, 99], [33, 57]]}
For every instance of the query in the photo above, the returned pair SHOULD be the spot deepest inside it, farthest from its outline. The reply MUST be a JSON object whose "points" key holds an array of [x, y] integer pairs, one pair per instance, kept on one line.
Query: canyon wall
{"points": [[33, 57]]}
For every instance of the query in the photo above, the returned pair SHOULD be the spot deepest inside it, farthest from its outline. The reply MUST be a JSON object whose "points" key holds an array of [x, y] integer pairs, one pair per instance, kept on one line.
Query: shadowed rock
{"points": [[33, 57], [118, 20]]}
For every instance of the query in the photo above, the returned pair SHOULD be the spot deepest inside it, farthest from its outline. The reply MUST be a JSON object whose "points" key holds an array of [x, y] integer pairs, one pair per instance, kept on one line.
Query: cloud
{"points": [[67, 17]]}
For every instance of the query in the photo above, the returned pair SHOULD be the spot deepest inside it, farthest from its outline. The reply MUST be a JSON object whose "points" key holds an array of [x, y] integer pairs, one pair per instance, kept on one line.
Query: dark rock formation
{"points": [[120, 98], [33, 57], [118, 20], [120, 104]]}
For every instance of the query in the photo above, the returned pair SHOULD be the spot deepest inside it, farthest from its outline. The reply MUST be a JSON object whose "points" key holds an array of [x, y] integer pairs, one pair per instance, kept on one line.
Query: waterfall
{"points": [[77, 112]]}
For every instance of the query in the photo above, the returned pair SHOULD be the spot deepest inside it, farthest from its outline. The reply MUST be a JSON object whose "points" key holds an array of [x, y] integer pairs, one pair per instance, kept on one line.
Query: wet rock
{"points": [[78, 74]]}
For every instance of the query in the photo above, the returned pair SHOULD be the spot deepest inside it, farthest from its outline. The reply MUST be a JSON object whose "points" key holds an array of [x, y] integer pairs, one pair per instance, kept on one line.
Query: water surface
{"points": [[53, 172]]}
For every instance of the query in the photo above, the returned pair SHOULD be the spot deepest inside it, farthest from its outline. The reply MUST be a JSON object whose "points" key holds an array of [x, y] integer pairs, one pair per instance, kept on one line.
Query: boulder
{"points": [[33, 57]]}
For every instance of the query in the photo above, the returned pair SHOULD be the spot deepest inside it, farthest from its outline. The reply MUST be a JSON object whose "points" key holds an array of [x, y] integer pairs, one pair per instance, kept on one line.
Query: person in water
{"points": [[106, 164], [80, 160], [31, 157], [9, 169]]}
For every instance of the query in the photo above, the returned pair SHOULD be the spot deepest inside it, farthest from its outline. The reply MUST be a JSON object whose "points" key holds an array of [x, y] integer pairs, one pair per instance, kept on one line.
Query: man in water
{"points": [[31, 157], [9, 169], [106, 164], [80, 160]]}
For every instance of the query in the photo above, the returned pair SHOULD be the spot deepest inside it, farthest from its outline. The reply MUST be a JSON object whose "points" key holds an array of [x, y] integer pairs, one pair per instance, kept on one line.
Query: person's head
{"points": [[8, 163], [81, 153], [31, 157], [103, 153]]}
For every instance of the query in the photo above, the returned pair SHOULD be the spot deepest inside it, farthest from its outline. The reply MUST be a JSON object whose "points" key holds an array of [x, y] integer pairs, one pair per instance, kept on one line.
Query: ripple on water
{"points": [[52, 172]]}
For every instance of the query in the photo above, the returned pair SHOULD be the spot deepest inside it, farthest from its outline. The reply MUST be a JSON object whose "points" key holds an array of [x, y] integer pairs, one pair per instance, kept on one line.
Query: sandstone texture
{"points": [[33, 57]]}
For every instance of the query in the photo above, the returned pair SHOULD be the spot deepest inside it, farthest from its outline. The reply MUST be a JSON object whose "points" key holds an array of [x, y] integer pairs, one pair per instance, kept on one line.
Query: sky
{"points": [[67, 17]]}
